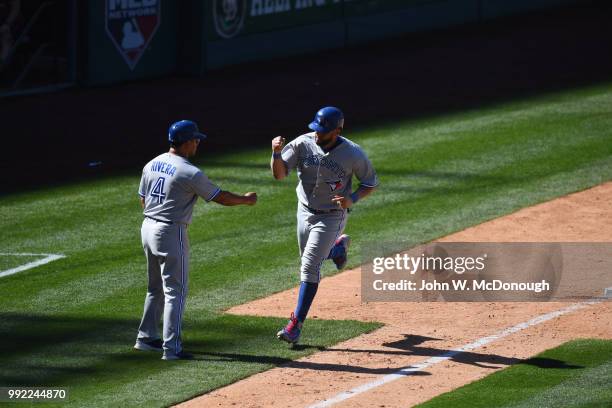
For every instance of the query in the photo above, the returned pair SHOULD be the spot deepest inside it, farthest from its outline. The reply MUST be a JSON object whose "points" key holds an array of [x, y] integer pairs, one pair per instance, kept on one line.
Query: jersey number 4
{"points": [[158, 190]]}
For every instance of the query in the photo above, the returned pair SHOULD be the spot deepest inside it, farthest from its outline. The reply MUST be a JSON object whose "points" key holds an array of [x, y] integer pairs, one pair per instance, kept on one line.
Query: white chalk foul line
{"points": [[403, 372], [47, 258]]}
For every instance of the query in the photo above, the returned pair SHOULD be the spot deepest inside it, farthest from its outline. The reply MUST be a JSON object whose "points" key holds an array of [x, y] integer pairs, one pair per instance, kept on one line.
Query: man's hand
{"points": [[229, 199], [251, 198], [279, 171], [277, 144], [343, 202]]}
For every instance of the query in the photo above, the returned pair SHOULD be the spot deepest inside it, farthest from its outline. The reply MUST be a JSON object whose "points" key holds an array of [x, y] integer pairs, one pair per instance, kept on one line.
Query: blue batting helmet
{"points": [[184, 130], [327, 119]]}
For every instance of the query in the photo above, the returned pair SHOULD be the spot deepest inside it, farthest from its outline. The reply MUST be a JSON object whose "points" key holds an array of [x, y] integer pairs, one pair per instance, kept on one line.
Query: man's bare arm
{"points": [[227, 198], [279, 170]]}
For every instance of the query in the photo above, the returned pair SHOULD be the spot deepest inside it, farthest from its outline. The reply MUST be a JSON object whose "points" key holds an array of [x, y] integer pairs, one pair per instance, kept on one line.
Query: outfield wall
{"points": [[499, 8], [196, 35], [294, 27], [126, 40], [107, 56], [263, 29]]}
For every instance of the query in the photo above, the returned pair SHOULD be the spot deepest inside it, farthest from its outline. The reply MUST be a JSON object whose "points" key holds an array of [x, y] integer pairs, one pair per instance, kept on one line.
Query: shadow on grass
{"points": [[53, 350], [73, 350], [90, 350]]}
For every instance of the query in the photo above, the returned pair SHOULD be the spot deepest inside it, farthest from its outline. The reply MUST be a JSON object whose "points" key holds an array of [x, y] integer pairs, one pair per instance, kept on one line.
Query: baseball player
{"points": [[325, 163], [169, 188]]}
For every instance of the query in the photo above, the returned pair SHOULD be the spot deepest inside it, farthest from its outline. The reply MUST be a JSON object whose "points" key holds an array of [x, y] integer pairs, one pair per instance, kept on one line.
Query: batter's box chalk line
{"points": [[46, 258]]}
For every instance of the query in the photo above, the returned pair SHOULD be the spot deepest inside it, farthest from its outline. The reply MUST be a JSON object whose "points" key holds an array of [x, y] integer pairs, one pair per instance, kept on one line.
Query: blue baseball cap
{"points": [[184, 130], [327, 119]]}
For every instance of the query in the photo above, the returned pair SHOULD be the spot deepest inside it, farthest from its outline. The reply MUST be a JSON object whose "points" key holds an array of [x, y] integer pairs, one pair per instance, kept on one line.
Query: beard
{"points": [[323, 142]]}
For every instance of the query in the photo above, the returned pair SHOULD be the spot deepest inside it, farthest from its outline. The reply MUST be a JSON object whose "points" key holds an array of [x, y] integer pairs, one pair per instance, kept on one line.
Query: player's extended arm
{"points": [[347, 202], [142, 203], [279, 170], [228, 199]]}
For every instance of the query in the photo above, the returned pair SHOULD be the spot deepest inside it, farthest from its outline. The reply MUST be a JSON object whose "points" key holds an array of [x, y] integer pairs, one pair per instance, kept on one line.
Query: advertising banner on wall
{"points": [[131, 24], [234, 18]]}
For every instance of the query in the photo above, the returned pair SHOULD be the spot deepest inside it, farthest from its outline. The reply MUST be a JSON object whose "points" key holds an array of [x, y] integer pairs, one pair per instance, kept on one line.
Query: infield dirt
{"points": [[414, 332]]}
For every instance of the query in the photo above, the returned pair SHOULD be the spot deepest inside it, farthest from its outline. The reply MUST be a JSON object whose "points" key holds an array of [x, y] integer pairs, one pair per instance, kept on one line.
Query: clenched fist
{"points": [[277, 144]]}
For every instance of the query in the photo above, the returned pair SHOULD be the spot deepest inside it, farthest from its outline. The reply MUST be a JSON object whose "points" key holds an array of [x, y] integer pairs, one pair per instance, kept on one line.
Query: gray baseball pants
{"points": [[166, 247], [316, 234]]}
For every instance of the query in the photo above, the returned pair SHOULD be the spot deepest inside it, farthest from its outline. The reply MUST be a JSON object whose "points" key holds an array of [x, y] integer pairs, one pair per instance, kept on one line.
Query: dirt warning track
{"points": [[426, 349]]}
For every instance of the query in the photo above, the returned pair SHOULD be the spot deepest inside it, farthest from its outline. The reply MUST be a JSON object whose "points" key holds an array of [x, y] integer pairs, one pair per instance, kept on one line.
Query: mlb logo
{"points": [[131, 24]]}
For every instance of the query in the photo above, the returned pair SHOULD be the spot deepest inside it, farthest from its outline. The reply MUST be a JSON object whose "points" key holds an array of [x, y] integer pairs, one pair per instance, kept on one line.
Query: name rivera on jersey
{"points": [[163, 167]]}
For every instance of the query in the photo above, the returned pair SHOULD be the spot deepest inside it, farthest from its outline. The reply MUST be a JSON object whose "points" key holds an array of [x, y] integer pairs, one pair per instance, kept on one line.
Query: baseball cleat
{"points": [[153, 345], [182, 355], [344, 241], [291, 332]]}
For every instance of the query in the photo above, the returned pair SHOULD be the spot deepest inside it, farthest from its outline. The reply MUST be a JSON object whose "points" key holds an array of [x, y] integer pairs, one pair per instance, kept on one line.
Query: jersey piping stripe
{"points": [[368, 185], [183, 289], [216, 193], [182, 299]]}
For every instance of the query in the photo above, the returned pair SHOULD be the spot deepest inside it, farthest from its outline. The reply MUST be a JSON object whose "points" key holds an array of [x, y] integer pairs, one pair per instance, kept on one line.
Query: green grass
{"points": [[91, 356], [575, 374], [9, 261], [72, 322]]}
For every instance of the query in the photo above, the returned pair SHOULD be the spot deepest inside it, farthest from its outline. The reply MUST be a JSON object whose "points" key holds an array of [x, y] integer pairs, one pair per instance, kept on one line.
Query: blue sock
{"points": [[308, 290]]}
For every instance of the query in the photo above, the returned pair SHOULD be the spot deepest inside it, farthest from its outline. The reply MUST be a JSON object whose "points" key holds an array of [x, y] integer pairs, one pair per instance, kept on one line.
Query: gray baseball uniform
{"points": [[322, 175], [170, 186]]}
